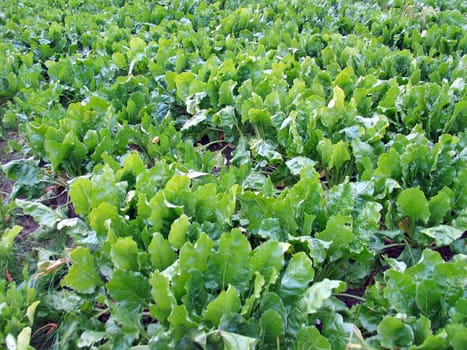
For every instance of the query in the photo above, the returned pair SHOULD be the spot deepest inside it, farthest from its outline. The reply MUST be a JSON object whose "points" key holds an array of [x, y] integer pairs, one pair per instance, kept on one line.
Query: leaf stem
{"points": [[347, 295]]}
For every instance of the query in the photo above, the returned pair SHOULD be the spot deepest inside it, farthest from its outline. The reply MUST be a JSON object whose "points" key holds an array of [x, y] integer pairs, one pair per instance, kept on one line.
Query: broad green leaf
{"points": [[315, 296], [428, 298], [326, 150], [24, 339], [272, 324], [226, 96], [400, 291], [179, 318], [183, 82], [31, 310], [297, 277], [196, 256], [162, 296], [129, 288], [81, 194], [226, 302], [457, 335], [82, 275], [233, 341], [309, 338], [8, 238], [178, 183], [89, 338], [338, 231], [443, 235], [412, 203], [270, 228], [267, 257], [196, 295], [394, 333], [439, 206], [297, 164], [41, 213], [257, 289], [230, 264], [178, 231], [340, 154], [162, 254], [422, 329], [124, 254]]}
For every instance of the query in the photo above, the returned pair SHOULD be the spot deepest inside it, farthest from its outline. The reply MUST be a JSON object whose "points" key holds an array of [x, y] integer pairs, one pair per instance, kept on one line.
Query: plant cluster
{"points": [[237, 174]]}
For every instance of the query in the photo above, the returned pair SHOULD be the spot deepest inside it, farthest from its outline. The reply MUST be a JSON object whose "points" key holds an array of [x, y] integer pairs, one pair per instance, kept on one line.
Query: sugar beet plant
{"points": [[235, 174]]}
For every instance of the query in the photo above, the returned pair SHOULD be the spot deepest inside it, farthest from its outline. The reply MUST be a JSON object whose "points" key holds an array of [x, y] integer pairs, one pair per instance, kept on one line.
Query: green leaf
{"points": [[130, 288], [197, 256], [316, 295], [400, 291], [80, 194], [443, 234], [42, 214], [226, 96], [309, 338], [439, 206], [297, 164], [8, 238], [268, 257], [179, 317], [24, 339], [124, 254], [226, 302], [89, 338], [297, 277], [457, 335], [338, 231], [178, 231], [340, 154], [394, 333], [233, 341], [428, 298], [230, 264], [412, 203], [257, 288], [82, 275], [163, 297], [162, 254], [272, 324]]}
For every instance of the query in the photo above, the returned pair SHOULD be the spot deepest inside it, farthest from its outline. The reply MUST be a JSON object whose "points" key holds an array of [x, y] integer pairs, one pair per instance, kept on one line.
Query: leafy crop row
{"points": [[240, 175]]}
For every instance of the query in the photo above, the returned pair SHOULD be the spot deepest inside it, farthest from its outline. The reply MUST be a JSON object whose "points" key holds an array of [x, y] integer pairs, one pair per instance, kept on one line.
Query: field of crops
{"points": [[233, 174]]}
